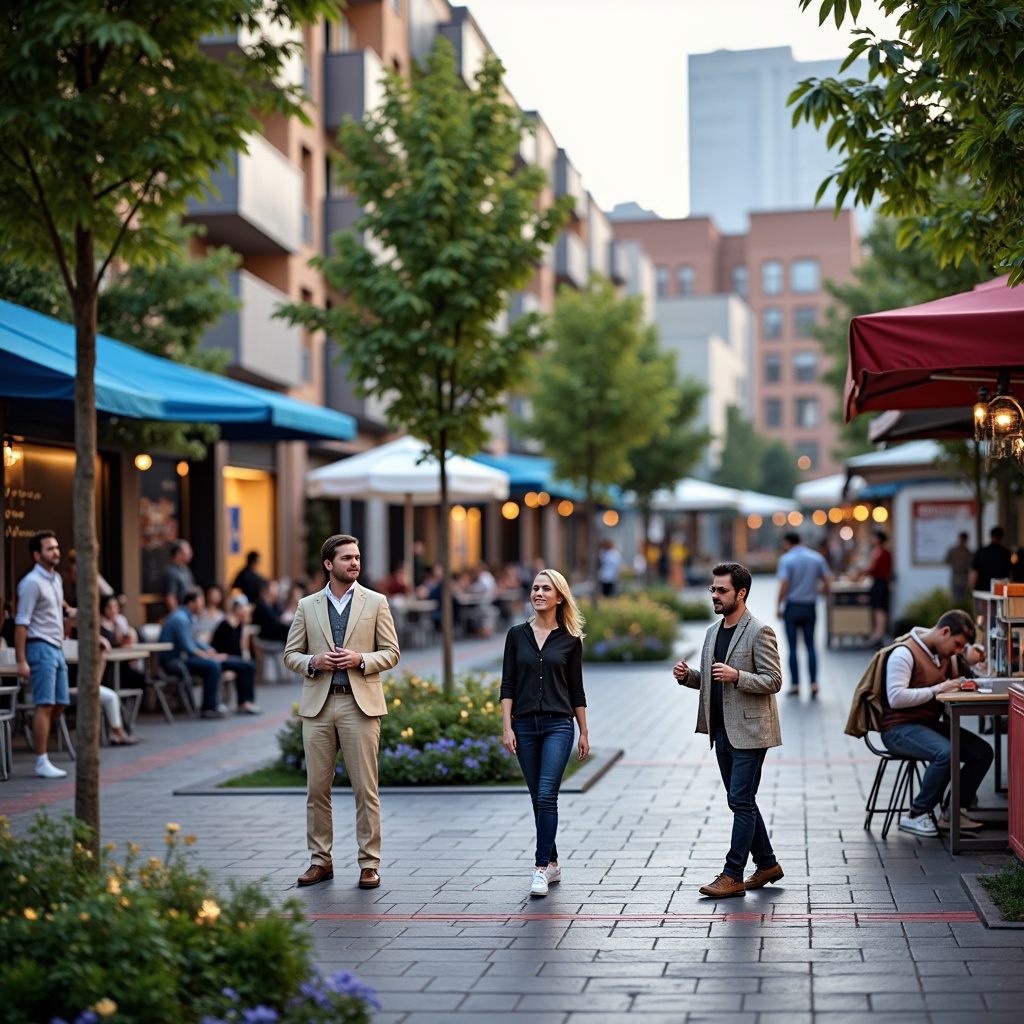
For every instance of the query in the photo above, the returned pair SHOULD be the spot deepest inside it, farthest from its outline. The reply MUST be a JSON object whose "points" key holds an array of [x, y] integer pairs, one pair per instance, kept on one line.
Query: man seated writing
{"points": [[917, 671]]}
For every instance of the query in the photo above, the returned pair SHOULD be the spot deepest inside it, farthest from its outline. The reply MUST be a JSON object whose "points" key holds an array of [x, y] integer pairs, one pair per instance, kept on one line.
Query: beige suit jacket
{"points": [[370, 631], [748, 706]]}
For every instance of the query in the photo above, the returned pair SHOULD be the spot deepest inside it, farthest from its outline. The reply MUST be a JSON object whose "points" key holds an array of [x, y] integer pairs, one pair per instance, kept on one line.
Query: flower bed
{"points": [[629, 628], [427, 738], [151, 941]]}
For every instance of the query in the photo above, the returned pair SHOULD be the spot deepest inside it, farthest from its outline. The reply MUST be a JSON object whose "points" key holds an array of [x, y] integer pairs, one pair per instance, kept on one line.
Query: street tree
{"points": [[751, 462], [113, 116], [672, 454], [936, 133], [164, 309], [601, 391], [456, 229]]}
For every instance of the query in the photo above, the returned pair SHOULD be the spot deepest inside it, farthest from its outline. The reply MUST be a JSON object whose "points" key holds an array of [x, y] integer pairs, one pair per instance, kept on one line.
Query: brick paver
{"points": [[860, 930]]}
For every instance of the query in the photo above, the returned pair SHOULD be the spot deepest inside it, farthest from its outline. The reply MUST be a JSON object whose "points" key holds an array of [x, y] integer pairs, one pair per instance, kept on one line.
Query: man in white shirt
{"points": [[912, 726], [38, 644]]}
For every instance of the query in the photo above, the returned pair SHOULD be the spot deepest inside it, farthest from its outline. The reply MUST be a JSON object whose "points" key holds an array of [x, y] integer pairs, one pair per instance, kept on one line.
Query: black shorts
{"points": [[878, 595]]}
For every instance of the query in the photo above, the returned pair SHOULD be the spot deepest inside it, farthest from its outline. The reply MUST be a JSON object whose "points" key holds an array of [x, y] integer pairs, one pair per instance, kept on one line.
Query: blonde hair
{"points": [[567, 614]]}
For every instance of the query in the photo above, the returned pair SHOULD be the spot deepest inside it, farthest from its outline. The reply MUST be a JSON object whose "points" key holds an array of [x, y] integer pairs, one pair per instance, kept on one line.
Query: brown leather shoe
{"points": [[316, 873], [762, 876], [724, 886], [368, 878]]}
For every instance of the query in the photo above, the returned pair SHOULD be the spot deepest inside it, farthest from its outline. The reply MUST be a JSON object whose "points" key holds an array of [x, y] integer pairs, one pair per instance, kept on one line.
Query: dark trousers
{"points": [[741, 773], [543, 746], [800, 618], [209, 671]]}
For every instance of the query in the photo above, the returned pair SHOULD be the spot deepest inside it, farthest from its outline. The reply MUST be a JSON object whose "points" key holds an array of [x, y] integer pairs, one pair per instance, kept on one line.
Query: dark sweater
{"points": [[546, 680]]}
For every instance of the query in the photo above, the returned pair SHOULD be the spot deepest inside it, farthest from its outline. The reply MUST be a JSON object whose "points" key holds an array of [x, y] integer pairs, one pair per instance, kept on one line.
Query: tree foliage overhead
{"points": [[752, 462], [937, 129]]}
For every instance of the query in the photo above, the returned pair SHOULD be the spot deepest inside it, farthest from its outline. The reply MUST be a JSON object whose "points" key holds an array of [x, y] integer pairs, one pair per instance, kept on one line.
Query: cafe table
{"points": [[959, 703]]}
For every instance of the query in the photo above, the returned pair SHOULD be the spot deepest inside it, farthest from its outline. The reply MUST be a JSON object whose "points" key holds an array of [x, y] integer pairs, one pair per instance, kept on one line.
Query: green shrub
{"points": [[150, 941], [426, 737], [688, 610], [1006, 888], [629, 628], [928, 608]]}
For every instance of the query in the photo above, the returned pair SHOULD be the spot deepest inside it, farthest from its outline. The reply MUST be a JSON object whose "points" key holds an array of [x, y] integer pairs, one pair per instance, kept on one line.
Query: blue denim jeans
{"points": [[543, 746], [800, 618], [931, 743], [741, 773]]}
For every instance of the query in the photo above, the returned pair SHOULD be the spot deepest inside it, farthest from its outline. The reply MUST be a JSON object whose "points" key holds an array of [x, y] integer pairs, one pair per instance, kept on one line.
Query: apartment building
{"points": [[776, 270]]}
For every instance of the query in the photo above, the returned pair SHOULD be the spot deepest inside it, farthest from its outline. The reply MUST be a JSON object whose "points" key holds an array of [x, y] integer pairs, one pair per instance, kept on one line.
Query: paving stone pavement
{"points": [[860, 930]]}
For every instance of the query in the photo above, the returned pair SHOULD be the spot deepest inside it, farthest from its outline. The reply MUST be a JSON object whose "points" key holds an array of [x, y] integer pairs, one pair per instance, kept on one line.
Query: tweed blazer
{"points": [[370, 631], [748, 706]]}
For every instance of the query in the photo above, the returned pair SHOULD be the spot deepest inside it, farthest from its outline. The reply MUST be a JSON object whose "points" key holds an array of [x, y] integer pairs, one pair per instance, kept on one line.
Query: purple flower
{"points": [[470, 762], [229, 993], [442, 769], [87, 1017], [259, 1015], [346, 984]]}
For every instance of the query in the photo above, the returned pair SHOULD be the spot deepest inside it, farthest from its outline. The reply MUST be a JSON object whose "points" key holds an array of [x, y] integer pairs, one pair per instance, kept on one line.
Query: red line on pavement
{"points": [[852, 917], [671, 762]]}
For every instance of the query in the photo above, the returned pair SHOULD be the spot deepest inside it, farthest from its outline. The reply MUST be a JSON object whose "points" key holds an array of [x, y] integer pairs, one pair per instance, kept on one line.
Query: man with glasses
{"points": [[739, 675]]}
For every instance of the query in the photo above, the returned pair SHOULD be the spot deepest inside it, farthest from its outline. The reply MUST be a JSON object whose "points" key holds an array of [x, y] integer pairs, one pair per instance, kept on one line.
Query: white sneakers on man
{"points": [[922, 825], [46, 770], [539, 885], [553, 873]]}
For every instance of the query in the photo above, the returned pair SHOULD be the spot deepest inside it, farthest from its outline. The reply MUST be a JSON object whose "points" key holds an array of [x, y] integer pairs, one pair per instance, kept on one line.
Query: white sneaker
{"points": [[46, 770], [922, 825], [553, 873], [539, 885]]}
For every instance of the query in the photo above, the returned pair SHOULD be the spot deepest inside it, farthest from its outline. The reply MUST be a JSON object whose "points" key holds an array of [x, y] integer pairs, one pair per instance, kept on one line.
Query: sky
{"points": [[609, 76]]}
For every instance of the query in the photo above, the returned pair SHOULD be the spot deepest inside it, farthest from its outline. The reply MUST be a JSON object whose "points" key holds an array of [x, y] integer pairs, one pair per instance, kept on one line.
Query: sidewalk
{"points": [[859, 930]]}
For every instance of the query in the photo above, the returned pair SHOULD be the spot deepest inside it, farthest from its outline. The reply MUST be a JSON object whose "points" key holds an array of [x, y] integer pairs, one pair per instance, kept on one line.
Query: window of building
{"points": [[773, 412], [772, 369], [306, 163], [807, 414], [807, 450], [804, 318], [661, 278], [686, 280], [772, 277], [771, 322], [805, 366], [740, 280], [806, 276], [306, 360]]}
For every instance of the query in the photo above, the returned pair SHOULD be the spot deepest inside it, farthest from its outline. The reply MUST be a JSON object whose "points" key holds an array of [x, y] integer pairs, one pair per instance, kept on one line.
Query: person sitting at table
{"points": [[113, 634], [110, 702], [202, 660], [212, 613], [396, 583], [267, 614], [916, 672]]}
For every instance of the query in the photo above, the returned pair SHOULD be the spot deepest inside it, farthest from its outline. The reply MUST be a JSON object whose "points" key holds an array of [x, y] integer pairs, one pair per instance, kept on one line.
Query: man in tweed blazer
{"points": [[739, 675], [341, 639]]}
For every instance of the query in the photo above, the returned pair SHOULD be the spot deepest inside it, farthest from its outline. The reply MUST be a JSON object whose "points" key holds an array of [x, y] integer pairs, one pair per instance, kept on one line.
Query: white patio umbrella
{"points": [[692, 495], [394, 473]]}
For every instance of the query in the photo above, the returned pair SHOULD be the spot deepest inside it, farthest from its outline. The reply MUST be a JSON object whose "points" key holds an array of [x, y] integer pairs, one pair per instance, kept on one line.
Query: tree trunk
{"points": [[444, 543], [87, 733]]}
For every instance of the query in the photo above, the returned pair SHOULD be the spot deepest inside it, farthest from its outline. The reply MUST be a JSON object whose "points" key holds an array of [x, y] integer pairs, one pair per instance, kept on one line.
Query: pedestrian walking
{"points": [[992, 562], [879, 571], [341, 639], [541, 695], [801, 571], [738, 678], [959, 558], [609, 567]]}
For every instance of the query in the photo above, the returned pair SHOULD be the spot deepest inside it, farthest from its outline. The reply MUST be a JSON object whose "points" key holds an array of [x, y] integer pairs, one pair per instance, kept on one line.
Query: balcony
{"points": [[469, 45], [619, 262], [340, 213], [569, 183], [263, 350], [571, 261], [242, 40], [521, 304], [352, 86], [255, 203]]}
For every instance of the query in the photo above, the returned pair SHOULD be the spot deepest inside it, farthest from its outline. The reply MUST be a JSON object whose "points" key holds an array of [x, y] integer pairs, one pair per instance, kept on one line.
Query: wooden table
{"points": [[959, 703]]}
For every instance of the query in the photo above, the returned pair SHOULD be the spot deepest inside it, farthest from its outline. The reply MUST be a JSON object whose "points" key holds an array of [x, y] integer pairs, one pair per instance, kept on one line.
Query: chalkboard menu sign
{"points": [[159, 520], [39, 494]]}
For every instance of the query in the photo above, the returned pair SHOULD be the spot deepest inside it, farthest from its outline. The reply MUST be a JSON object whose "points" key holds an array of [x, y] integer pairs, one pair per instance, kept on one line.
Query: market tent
{"points": [[756, 503], [914, 460], [37, 376], [827, 491], [400, 472], [936, 354], [691, 495]]}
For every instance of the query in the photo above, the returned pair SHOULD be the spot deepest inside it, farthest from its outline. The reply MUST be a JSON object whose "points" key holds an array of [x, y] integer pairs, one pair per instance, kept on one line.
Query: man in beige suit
{"points": [[341, 639], [739, 675]]}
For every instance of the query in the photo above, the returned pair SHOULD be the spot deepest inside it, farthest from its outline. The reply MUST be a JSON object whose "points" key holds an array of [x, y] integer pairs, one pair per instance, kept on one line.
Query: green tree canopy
{"points": [[434, 171], [937, 130], [113, 115], [601, 391], [752, 462]]}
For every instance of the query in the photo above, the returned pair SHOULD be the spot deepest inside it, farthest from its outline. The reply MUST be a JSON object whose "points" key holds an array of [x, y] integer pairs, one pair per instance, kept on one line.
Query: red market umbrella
{"points": [[936, 355]]}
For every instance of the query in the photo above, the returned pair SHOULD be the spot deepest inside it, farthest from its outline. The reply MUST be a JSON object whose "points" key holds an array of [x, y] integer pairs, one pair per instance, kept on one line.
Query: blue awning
{"points": [[37, 366], [536, 473]]}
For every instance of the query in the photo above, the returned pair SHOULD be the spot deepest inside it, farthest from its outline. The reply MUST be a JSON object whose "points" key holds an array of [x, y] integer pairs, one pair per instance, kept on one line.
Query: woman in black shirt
{"points": [[541, 694]]}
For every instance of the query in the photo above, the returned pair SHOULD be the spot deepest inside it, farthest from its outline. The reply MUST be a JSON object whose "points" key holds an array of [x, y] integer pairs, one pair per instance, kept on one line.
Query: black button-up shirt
{"points": [[543, 680]]}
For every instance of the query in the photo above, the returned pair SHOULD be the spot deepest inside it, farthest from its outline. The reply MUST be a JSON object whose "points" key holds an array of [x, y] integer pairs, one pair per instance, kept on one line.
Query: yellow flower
{"points": [[295, 708], [133, 849], [110, 847], [464, 714], [22, 880], [155, 861], [635, 628], [105, 1007], [208, 912], [31, 914], [172, 827], [125, 902], [114, 886], [395, 703], [83, 916], [188, 840]]}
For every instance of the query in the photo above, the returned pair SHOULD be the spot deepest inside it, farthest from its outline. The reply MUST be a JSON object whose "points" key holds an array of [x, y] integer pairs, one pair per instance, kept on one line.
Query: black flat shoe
{"points": [[794, 691], [814, 693]]}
